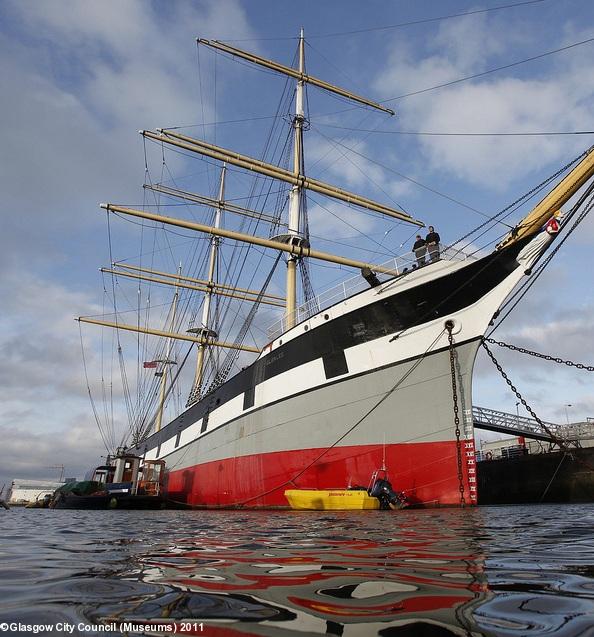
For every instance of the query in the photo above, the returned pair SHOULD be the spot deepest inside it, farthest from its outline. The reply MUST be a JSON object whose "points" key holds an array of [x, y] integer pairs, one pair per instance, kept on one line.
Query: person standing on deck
{"points": [[420, 250], [432, 240]]}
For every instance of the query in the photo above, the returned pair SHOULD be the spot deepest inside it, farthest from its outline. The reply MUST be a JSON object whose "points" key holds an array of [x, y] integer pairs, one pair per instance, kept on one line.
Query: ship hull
{"points": [[400, 416], [349, 391], [426, 473]]}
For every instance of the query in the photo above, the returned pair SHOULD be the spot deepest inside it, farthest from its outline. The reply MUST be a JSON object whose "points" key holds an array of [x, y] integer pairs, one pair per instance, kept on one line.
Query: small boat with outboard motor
{"points": [[379, 495]]}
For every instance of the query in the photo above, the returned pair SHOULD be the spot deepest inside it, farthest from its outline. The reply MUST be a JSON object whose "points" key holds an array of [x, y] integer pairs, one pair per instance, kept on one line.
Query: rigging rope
{"points": [[383, 28], [146, 431], [232, 354], [565, 455], [434, 134], [488, 71], [558, 441], [104, 437], [309, 296], [236, 268], [522, 291], [512, 207], [424, 20]]}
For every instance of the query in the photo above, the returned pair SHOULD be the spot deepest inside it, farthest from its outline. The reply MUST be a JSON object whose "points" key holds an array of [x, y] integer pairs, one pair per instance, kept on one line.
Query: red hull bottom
{"points": [[426, 472]]}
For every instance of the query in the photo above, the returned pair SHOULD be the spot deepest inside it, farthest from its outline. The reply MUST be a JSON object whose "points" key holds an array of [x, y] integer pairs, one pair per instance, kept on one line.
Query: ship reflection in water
{"points": [[490, 571]]}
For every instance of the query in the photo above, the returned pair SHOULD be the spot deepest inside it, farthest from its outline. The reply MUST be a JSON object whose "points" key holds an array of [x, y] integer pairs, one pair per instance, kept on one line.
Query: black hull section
{"points": [[547, 477], [99, 502]]}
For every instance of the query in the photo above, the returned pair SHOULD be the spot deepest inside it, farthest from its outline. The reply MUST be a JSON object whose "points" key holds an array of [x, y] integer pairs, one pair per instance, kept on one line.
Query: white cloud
{"points": [[354, 171], [560, 100], [33, 455], [44, 381], [81, 79], [335, 163], [564, 335], [39, 344], [541, 325], [45, 416], [337, 221], [73, 117], [467, 42]]}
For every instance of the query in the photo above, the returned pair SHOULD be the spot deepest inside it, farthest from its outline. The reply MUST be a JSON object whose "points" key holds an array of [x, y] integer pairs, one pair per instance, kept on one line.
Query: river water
{"points": [[518, 571]]}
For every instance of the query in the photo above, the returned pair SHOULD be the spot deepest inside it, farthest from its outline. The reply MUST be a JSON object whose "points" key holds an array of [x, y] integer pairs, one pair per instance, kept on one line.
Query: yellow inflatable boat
{"points": [[331, 499]]}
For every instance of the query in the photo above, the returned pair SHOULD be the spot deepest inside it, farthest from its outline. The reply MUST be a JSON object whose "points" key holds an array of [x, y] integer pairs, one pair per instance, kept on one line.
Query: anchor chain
{"points": [[450, 326], [546, 357], [556, 439]]}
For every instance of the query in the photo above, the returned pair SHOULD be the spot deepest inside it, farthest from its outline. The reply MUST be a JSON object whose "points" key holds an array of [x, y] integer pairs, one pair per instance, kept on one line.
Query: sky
{"points": [[81, 78]]}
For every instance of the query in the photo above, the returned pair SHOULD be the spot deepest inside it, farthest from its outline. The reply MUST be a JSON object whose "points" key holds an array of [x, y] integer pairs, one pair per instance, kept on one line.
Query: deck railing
{"points": [[347, 288]]}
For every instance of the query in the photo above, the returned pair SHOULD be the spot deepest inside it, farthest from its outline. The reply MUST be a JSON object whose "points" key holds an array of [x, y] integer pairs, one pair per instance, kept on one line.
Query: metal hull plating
{"points": [[344, 393], [336, 436]]}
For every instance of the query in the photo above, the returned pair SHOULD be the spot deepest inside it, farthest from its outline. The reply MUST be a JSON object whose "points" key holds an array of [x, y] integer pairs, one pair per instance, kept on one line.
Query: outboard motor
{"points": [[389, 499]]}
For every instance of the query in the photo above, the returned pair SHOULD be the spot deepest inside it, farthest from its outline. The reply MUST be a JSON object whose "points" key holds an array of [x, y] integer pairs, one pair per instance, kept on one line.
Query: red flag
{"points": [[149, 364]]}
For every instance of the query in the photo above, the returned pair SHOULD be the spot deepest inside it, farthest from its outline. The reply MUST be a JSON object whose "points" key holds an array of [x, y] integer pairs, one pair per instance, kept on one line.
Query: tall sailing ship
{"points": [[372, 374]]}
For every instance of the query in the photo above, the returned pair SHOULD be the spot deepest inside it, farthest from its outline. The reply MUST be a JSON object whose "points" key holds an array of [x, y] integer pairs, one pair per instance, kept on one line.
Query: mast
{"points": [[204, 330], [167, 361], [294, 236]]}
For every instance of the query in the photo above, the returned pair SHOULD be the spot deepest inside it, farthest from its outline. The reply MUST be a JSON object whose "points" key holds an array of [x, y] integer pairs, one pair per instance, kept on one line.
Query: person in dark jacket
{"points": [[432, 240], [420, 250]]}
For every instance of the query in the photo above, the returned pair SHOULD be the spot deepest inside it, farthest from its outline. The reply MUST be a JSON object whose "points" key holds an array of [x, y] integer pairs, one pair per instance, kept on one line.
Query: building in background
{"points": [[23, 492]]}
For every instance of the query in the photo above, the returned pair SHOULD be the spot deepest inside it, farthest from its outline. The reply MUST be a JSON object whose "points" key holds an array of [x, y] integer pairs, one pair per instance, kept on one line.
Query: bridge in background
{"points": [[502, 422]]}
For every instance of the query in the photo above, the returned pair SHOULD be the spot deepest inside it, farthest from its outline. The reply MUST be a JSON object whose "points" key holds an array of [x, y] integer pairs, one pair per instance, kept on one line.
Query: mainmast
{"points": [[205, 330], [294, 236]]}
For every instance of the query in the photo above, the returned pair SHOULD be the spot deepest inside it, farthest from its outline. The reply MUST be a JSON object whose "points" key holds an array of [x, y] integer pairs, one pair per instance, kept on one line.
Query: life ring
{"points": [[489, 455]]}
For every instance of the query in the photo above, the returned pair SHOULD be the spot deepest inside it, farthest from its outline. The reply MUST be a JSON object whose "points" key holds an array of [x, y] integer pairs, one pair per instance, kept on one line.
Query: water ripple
{"points": [[489, 571]]}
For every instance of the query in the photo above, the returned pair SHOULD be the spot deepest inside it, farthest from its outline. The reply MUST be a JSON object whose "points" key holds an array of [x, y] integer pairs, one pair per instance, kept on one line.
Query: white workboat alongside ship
{"points": [[364, 377]]}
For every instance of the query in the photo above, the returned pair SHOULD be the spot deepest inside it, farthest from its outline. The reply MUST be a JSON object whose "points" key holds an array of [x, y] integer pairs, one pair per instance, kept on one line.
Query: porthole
{"points": [[306, 328], [326, 316]]}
